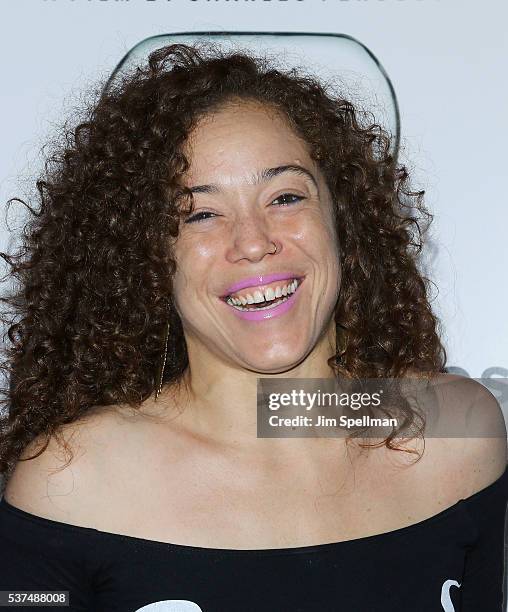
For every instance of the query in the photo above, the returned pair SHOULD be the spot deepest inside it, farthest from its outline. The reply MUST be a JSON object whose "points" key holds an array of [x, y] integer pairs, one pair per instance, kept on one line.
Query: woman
{"points": [[135, 478]]}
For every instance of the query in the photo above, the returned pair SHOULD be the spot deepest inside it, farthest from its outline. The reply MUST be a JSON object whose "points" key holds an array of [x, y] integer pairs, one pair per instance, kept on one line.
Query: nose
{"points": [[251, 240]]}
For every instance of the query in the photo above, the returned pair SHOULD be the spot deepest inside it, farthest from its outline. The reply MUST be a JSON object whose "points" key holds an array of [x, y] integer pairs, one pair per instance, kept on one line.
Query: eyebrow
{"points": [[264, 176]]}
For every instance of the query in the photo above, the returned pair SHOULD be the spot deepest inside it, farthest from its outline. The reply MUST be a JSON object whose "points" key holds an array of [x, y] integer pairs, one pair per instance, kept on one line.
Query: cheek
{"points": [[318, 240], [194, 259], [317, 237], [315, 218], [191, 248]]}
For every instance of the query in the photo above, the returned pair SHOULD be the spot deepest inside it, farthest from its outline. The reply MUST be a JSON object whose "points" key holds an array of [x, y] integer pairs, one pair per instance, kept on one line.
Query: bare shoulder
{"points": [[61, 483], [477, 456]]}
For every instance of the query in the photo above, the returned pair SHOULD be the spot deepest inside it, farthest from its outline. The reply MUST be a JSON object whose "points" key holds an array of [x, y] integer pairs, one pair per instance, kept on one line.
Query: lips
{"points": [[260, 280], [262, 308]]}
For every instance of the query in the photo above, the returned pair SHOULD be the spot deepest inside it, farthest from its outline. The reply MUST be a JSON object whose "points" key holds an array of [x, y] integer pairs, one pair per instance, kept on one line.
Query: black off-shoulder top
{"points": [[454, 561]]}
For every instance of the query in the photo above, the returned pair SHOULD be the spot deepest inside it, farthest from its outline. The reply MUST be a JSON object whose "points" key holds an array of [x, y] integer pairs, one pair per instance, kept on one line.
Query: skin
{"points": [[197, 449], [235, 239]]}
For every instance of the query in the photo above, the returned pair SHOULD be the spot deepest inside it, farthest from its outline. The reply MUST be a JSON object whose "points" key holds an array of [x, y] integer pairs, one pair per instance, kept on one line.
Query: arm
{"points": [[40, 547]]}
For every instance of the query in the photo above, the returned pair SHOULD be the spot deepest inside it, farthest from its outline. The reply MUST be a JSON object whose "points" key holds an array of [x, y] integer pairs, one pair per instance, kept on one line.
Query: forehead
{"points": [[240, 137]]}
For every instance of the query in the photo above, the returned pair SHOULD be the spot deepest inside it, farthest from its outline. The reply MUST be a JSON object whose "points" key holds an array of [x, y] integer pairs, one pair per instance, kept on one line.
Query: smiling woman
{"points": [[254, 232], [213, 221]]}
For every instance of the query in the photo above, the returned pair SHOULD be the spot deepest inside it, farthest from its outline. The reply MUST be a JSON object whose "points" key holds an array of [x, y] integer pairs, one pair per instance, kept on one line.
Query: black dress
{"points": [[453, 561]]}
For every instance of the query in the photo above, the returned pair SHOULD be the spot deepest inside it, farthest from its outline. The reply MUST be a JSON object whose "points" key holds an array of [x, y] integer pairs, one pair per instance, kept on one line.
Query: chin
{"points": [[276, 365]]}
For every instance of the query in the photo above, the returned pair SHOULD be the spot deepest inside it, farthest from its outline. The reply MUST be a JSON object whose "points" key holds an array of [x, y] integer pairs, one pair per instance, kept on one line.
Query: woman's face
{"points": [[258, 269]]}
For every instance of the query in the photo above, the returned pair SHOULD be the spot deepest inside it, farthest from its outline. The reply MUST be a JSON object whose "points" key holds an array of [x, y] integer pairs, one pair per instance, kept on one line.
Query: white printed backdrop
{"points": [[447, 61]]}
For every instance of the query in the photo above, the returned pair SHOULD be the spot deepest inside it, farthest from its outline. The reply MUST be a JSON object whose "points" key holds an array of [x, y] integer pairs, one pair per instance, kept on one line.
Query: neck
{"points": [[219, 399]]}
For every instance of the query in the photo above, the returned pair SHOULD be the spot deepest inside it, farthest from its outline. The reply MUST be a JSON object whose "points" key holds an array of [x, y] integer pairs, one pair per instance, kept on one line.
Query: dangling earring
{"points": [[342, 338], [162, 363]]}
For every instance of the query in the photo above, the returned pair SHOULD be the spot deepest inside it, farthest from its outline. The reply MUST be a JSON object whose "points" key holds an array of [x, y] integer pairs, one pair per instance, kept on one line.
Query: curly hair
{"points": [[95, 265]]}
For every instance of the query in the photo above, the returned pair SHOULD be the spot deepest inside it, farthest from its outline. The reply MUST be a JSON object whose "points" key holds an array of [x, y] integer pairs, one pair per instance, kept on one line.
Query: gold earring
{"points": [[162, 363], [342, 339]]}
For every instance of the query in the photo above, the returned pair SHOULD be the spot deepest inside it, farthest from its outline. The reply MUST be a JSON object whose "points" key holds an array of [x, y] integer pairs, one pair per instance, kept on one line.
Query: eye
{"points": [[198, 217], [288, 195], [201, 216]]}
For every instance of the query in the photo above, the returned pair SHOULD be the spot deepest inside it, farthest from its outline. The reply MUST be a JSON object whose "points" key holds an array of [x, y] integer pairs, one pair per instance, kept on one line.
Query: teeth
{"points": [[258, 297], [268, 307], [268, 295]]}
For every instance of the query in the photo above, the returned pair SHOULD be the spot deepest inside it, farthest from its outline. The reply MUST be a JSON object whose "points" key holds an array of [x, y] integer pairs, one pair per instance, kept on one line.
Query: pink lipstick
{"points": [[256, 281], [273, 304]]}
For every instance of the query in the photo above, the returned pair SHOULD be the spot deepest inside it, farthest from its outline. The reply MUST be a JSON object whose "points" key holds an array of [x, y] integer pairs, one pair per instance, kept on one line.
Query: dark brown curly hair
{"points": [[94, 272]]}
